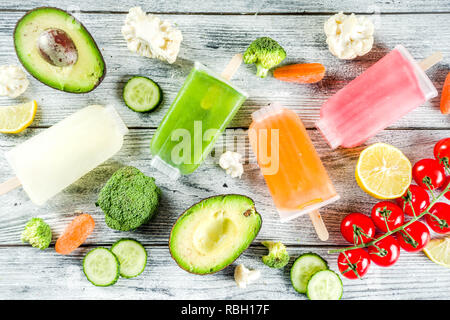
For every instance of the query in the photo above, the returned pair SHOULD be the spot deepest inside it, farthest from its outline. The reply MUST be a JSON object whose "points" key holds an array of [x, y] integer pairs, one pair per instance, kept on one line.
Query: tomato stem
{"points": [[381, 251], [441, 222], [351, 266], [429, 189], [401, 228], [385, 213], [358, 234]]}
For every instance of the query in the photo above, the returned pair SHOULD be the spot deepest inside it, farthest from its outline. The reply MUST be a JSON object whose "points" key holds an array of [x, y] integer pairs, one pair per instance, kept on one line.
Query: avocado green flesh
{"points": [[213, 233], [83, 76]]}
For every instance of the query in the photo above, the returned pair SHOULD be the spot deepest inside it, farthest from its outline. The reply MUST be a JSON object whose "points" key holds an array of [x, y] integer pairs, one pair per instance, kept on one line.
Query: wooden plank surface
{"points": [[62, 277], [213, 32], [213, 40], [240, 7]]}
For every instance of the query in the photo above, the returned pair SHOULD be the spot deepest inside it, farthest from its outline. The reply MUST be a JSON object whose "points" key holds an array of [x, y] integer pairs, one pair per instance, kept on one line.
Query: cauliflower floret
{"points": [[13, 81], [349, 36], [244, 276], [230, 162], [151, 37]]}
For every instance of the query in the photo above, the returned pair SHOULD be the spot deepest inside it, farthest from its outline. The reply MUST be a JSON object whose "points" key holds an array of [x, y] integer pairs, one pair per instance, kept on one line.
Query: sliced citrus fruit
{"points": [[438, 250], [383, 171], [14, 119]]}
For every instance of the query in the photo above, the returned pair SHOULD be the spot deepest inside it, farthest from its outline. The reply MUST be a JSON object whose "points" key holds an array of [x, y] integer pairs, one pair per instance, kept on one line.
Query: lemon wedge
{"points": [[438, 250], [383, 171], [14, 119]]}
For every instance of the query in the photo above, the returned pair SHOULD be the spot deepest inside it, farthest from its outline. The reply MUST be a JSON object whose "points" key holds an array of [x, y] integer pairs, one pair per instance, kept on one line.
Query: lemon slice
{"points": [[14, 119], [383, 171], [438, 250]]}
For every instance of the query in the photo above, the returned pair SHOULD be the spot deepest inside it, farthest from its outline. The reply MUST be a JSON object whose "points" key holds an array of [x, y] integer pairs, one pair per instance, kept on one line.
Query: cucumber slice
{"points": [[304, 267], [325, 285], [132, 257], [101, 267], [142, 94]]}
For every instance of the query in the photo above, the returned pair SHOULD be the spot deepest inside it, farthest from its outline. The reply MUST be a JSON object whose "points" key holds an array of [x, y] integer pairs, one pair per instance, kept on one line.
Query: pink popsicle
{"points": [[384, 93]]}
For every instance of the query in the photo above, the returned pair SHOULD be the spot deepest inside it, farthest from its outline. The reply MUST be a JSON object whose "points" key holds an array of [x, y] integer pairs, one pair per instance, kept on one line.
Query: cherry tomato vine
{"points": [[402, 228]]}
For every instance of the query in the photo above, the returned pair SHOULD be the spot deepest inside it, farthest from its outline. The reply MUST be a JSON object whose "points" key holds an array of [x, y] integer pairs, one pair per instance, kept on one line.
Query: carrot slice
{"points": [[445, 96], [300, 73], [75, 234]]}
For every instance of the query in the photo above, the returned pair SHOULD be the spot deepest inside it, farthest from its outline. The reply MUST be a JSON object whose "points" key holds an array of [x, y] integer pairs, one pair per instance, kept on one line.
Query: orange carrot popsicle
{"points": [[294, 173], [75, 234]]}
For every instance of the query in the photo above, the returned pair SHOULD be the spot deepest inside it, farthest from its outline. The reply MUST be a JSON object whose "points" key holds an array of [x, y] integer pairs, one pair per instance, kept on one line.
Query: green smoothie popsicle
{"points": [[203, 108]]}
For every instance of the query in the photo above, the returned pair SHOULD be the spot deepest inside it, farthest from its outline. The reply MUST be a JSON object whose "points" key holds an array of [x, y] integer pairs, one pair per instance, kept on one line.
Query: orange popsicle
{"points": [[294, 173]]}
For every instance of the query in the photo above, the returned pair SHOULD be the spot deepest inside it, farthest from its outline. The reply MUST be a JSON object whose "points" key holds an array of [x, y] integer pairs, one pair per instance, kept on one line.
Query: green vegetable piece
{"points": [[325, 285], [132, 257], [37, 233], [101, 267], [142, 94], [304, 268], [278, 256], [265, 53], [129, 199]]}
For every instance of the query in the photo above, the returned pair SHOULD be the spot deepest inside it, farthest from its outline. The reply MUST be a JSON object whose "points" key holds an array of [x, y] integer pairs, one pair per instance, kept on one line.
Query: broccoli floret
{"points": [[277, 257], [265, 53], [129, 199], [37, 233]]}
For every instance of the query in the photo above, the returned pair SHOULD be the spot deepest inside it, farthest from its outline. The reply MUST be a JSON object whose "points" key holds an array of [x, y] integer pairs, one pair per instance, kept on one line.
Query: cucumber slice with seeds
{"points": [[303, 269], [132, 257], [101, 267], [142, 94], [325, 285]]}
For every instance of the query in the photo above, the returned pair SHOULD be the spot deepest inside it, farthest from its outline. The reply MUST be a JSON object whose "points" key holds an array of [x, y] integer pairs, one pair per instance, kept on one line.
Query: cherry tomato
{"points": [[429, 173], [387, 215], [385, 252], [415, 198], [442, 151], [354, 264], [439, 218], [418, 237], [357, 228], [447, 194]]}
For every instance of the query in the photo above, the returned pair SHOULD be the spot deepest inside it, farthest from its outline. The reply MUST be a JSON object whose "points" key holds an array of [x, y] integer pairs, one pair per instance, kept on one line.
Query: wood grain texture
{"points": [[241, 7], [30, 274], [213, 40], [213, 32], [207, 181]]}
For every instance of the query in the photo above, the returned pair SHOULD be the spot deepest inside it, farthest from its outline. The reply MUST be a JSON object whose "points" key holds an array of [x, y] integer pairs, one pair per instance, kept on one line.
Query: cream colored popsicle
{"points": [[54, 159]]}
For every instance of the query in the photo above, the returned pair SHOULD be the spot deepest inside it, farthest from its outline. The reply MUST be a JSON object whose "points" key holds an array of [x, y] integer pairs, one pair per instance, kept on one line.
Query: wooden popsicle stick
{"points": [[427, 63], [9, 185], [319, 225], [232, 67]]}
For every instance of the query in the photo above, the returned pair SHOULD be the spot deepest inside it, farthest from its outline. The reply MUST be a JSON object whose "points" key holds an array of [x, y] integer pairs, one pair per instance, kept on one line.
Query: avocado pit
{"points": [[57, 48]]}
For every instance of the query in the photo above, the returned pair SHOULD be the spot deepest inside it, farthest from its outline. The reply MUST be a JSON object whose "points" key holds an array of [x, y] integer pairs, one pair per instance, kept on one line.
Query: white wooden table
{"points": [[213, 31]]}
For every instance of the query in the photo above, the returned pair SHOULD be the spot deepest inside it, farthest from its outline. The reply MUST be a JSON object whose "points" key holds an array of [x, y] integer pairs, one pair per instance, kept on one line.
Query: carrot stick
{"points": [[300, 73], [75, 234], [445, 96]]}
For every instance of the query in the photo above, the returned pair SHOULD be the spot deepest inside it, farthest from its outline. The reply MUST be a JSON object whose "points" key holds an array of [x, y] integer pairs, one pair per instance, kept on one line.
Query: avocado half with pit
{"points": [[213, 233], [57, 50]]}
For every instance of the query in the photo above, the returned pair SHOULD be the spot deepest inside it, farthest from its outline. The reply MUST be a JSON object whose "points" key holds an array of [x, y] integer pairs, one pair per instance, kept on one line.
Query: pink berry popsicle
{"points": [[385, 92]]}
